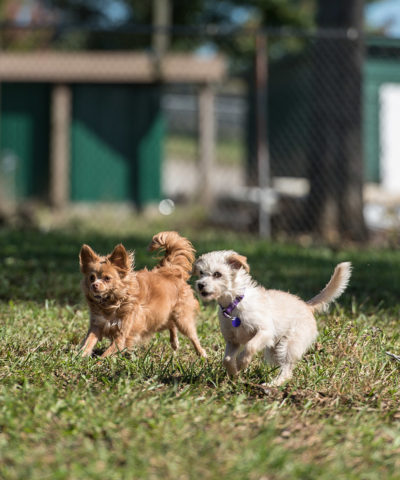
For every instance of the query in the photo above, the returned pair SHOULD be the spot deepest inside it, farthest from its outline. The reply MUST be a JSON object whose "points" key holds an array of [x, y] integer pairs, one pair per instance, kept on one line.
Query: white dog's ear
{"points": [[237, 261], [195, 270]]}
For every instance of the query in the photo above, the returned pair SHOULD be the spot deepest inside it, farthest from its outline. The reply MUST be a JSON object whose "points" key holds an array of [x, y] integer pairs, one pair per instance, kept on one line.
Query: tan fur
{"points": [[127, 306], [335, 287]]}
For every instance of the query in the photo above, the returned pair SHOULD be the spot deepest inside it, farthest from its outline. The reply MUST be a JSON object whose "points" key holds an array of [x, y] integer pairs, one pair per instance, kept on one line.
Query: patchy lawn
{"points": [[155, 415]]}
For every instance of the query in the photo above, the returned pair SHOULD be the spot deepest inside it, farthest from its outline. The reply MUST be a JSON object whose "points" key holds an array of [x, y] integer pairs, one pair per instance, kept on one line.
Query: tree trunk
{"points": [[335, 204]]}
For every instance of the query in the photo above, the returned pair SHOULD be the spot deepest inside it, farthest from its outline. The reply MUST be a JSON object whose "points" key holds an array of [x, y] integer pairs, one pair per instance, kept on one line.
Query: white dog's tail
{"points": [[335, 287]]}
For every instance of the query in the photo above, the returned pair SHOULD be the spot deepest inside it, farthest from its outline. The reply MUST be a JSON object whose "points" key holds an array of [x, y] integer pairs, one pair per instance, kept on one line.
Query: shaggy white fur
{"points": [[278, 322]]}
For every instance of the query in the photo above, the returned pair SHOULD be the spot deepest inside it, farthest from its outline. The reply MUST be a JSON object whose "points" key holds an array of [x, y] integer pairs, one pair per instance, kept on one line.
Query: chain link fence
{"points": [[305, 144]]}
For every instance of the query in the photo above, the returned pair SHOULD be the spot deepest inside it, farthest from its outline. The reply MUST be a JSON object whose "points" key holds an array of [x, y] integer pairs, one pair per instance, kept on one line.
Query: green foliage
{"points": [[87, 24], [158, 415]]}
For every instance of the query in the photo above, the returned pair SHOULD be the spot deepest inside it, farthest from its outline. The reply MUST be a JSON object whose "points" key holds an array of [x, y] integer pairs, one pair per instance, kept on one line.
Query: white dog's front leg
{"points": [[261, 340], [231, 350]]}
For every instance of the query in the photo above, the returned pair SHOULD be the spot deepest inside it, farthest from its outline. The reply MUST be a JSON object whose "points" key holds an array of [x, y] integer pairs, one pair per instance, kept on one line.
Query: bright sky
{"points": [[384, 14]]}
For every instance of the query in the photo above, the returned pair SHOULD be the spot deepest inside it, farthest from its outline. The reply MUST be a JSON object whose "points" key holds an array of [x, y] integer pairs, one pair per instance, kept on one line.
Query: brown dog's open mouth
{"points": [[100, 298]]}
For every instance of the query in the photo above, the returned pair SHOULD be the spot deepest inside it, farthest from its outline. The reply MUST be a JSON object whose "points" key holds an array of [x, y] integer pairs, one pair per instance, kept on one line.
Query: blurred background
{"points": [[278, 118]]}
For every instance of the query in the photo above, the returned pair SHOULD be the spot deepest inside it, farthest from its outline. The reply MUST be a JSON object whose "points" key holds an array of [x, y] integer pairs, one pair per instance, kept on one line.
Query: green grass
{"points": [[155, 415]]}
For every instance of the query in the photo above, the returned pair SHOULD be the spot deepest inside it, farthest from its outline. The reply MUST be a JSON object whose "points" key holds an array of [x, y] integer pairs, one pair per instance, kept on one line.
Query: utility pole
{"points": [[162, 16]]}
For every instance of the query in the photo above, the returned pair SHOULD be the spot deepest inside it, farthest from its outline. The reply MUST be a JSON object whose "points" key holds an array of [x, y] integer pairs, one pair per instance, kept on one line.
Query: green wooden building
{"points": [[88, 127]]}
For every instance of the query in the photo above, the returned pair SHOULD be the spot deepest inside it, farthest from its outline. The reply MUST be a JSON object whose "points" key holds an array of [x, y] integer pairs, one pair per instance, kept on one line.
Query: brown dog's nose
{"points": [[95, 287]]}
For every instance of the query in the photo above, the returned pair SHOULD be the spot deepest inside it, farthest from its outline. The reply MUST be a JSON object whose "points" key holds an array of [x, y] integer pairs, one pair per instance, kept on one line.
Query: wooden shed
{"points": [[88, 126]]}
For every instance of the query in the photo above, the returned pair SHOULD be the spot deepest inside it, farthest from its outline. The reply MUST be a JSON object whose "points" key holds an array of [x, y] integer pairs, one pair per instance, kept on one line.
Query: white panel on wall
{"points": [[389, 131]]}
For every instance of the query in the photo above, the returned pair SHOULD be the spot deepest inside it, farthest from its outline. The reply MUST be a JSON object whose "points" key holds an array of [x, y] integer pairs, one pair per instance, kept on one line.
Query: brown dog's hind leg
{"points": [[173, 337], [188, 328]]}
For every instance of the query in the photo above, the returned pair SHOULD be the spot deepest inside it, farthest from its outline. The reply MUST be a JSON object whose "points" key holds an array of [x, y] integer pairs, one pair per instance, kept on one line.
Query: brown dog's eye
{"points": [[106, 278], [92, 277], [217, 275]]}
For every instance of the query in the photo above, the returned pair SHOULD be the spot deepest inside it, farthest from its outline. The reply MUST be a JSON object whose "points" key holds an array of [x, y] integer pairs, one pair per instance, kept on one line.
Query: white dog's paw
{"points": [[282, 378], [230, 365], [243, 361]]}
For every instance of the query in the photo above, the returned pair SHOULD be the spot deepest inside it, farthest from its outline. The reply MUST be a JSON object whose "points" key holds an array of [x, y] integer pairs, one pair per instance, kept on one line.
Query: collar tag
{"points": [[236, 322]]}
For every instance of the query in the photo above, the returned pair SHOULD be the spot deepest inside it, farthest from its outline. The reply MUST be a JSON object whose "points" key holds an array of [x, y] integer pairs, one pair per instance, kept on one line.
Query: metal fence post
{"points": [[206, 132], [262, 150]]}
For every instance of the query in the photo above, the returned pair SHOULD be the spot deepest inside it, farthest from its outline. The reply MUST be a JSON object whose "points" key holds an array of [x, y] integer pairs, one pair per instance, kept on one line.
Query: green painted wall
{"points": [[116, 137], [25, 135]]}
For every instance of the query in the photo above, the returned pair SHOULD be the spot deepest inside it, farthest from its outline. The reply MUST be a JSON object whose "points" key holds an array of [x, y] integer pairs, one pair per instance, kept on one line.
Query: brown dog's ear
{"points": [[237, 261], [120, 258], [86, 255]]}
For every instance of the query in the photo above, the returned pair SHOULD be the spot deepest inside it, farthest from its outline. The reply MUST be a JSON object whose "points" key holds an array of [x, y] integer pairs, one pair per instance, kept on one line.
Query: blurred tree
{"points": [[19, 14], [75, 21]]}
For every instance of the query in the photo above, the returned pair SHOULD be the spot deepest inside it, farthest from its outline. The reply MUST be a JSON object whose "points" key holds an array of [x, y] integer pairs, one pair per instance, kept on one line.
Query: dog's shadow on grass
{"points": [[170, 372], [163, 367]]}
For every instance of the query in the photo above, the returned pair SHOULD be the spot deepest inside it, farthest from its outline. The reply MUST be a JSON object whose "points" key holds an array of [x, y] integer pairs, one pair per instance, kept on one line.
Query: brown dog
{"points": [[127, 306]]}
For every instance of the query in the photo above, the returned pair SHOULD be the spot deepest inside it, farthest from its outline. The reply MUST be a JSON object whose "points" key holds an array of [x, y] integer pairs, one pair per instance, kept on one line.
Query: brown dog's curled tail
{"points": [[179, 253], [335, 287]]}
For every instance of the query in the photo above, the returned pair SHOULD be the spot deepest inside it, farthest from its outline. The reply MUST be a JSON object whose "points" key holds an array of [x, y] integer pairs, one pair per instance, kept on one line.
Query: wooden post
{"points": [[206, 144], [60, 145]]}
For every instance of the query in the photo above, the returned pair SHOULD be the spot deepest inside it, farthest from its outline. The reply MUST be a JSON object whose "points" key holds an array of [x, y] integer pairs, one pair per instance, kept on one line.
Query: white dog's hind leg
{"points": [[270, 356], [231, 350], [261, 340], [287, 353]]}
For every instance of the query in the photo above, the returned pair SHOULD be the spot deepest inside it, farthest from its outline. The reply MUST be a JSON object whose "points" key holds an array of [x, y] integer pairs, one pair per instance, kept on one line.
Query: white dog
{"points": [[253, 318]]}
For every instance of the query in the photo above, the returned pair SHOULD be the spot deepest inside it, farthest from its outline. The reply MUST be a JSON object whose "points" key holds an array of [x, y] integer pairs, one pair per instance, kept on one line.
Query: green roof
{"points": [[382, 42]]}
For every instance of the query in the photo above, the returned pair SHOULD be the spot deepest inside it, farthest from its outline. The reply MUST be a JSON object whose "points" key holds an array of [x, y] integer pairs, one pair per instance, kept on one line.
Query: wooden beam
{"points": [[115, 67]]}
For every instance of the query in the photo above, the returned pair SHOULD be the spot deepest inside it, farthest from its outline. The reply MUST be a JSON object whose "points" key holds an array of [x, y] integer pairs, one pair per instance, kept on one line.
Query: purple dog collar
{"points": [[227, 312]]}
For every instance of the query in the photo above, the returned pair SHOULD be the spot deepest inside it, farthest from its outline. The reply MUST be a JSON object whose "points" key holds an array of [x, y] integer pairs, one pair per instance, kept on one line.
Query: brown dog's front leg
{"points": [[89, 343], [117, 345]]}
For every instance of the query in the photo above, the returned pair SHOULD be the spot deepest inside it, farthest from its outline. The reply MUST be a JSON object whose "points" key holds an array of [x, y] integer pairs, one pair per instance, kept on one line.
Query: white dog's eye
{"points": [[201, 273], [217, 275]]}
